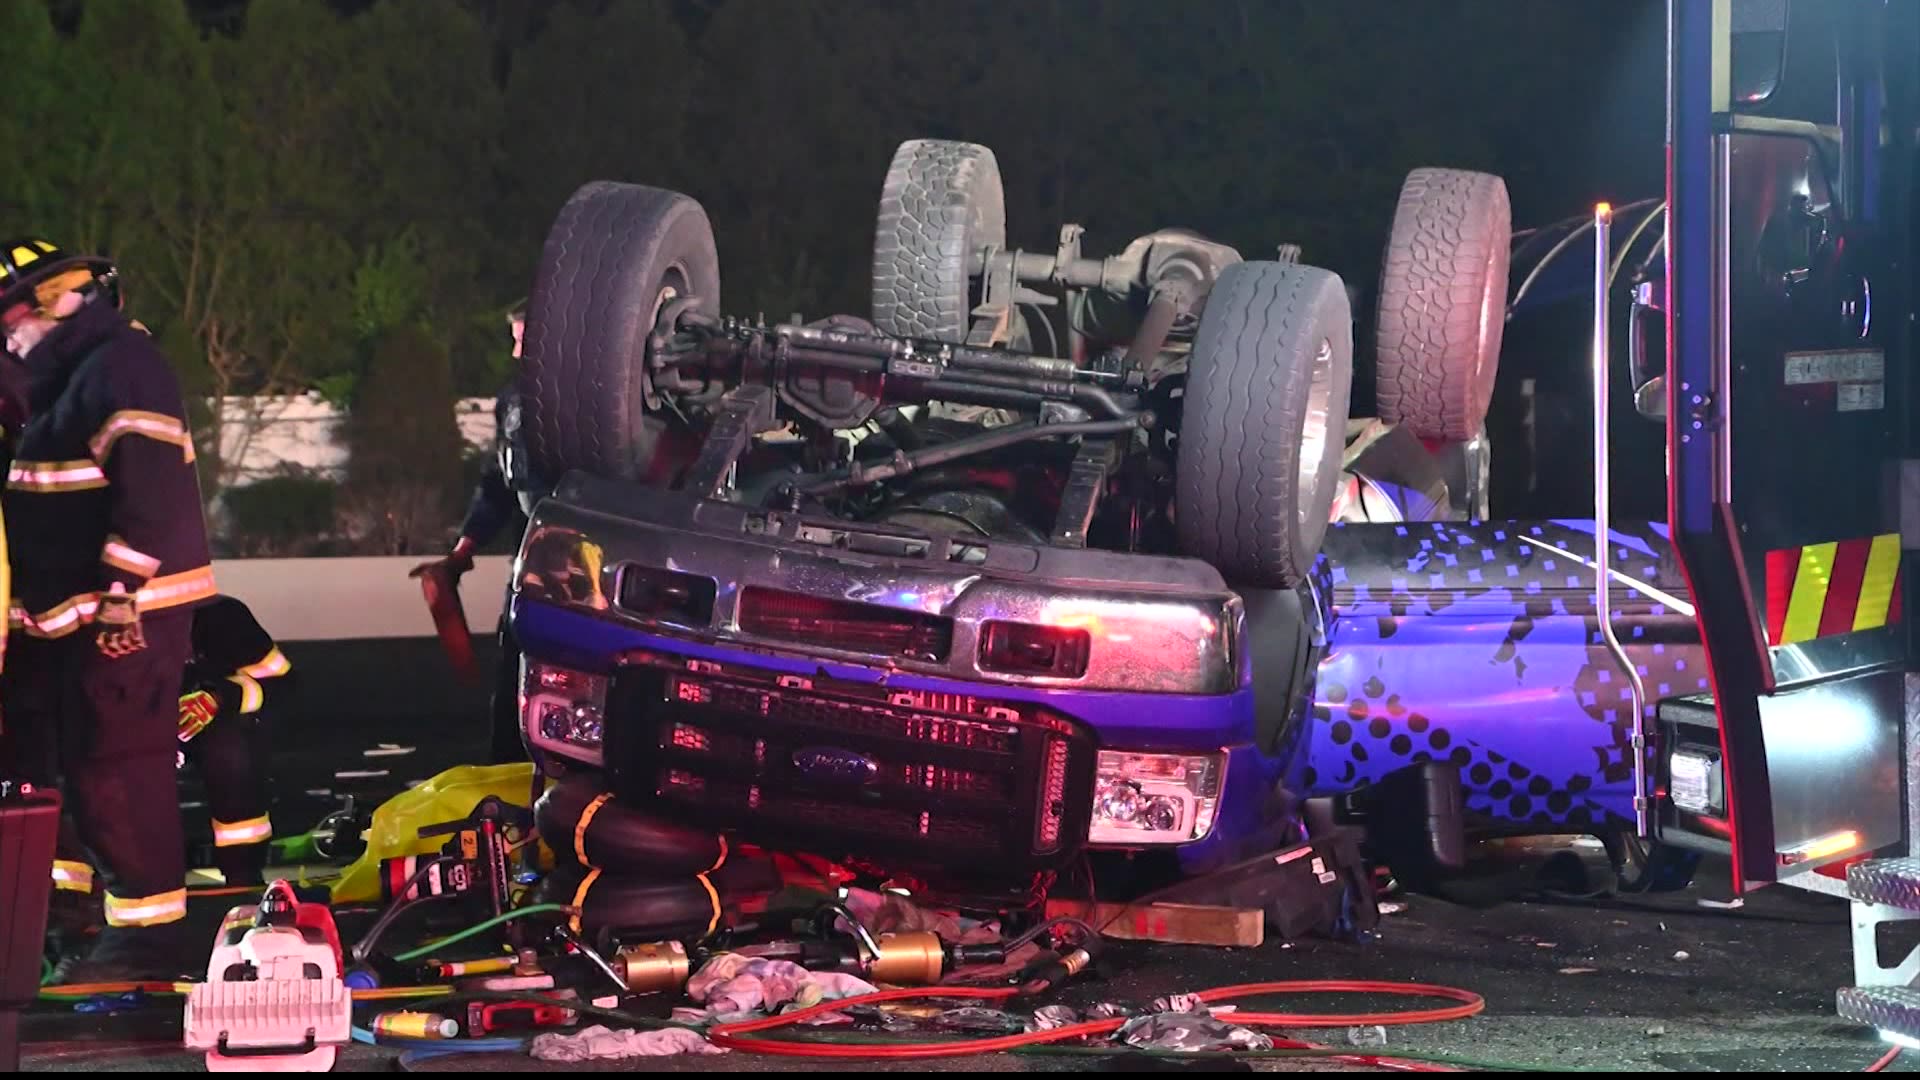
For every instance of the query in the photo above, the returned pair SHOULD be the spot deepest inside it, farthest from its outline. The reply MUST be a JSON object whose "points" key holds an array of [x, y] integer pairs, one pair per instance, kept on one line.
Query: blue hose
{"points": [[441, 1047]]}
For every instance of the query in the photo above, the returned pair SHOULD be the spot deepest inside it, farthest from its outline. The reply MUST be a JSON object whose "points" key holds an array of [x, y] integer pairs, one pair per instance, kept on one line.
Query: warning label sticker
{"points": [[1862, 397], [1836, 366]]}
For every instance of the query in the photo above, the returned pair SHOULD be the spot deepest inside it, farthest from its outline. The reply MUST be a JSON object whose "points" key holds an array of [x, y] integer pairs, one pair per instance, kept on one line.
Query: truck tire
{"points": [[941, 206], [1443, 302], [613, 256], [1265, 405]]}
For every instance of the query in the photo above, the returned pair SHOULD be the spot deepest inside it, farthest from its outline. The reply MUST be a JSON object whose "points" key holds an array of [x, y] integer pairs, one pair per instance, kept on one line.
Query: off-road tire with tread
{"points": [[1443, 302], [596, 294], [1243, 425], [941, 205]]}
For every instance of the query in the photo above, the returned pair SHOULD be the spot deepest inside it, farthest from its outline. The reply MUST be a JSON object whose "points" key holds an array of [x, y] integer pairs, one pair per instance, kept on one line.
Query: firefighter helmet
{"points": [[28, 263]]}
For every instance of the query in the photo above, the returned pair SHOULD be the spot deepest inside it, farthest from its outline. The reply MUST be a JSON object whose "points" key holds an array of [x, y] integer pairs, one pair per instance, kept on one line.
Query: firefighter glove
{"points": [[117, 624], [455, 565], [197, 710]]}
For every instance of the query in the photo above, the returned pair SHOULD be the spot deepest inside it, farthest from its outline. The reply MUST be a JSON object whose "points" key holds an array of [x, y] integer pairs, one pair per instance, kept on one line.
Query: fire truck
{"points": [[1793, 485]]}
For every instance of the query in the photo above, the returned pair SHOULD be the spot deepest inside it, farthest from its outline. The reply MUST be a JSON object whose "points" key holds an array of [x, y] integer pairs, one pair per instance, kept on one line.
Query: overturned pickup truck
{"points": [[1030, 566]]}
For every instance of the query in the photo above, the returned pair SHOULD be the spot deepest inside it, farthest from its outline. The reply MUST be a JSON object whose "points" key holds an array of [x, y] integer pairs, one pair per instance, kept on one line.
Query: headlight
{"points": [[1155, 798], [564, 710]]}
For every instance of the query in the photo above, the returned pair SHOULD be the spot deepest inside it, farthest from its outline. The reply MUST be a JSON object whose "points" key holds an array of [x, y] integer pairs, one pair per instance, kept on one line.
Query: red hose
{"points": [[1471, 1004], [1886, 1059], [732, 1036]]}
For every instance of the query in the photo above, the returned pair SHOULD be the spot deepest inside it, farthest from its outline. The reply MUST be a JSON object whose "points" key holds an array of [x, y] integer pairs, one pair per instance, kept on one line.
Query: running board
{"points": [[1893, 883], [1893, 1010], [1882, 891]]}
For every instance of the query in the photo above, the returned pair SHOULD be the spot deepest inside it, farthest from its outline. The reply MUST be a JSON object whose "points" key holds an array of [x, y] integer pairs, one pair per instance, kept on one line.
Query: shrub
{"points": [[289, 515]]}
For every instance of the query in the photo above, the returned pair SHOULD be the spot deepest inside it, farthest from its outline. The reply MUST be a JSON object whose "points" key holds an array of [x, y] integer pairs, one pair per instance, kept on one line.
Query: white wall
{"points": [[354, 598]]}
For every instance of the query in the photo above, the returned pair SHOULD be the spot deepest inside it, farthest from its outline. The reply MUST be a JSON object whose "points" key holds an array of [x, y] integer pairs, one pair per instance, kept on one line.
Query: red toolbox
{"points": [[29, 825]]}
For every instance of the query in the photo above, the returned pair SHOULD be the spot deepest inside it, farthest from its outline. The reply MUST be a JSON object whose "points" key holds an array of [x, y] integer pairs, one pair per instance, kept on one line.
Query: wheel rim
{"points": [[673, 285], [1314, 439]]}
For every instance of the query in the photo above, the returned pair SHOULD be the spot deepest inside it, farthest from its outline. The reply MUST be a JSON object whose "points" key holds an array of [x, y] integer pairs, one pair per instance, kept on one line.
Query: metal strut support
{"points": [[1603, 513]]}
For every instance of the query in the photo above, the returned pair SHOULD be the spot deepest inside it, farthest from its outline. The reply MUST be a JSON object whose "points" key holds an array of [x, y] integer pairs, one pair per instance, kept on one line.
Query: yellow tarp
{"points": [[451, 796]]}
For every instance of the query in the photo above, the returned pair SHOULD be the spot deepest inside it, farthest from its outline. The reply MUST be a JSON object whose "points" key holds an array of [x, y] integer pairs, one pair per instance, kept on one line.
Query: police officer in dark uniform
{"points": [[236, 672], [504, 497], [109, 551]]}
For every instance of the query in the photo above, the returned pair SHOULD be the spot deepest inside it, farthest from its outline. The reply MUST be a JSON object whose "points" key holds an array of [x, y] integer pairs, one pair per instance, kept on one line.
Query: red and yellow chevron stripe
{"points": [[1820, 590]]}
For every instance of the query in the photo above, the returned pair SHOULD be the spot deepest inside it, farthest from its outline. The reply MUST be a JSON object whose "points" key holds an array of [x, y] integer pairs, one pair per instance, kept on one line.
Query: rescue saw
{"points": [[274, 1000]]}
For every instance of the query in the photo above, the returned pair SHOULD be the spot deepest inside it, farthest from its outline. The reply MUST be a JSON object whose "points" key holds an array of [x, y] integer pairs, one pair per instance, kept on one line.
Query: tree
{"points": [[421, 136], [404, 469]]}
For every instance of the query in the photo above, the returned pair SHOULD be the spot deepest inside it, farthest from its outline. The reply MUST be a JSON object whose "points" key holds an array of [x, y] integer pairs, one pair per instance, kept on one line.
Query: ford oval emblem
{"points": [[835, 766]]}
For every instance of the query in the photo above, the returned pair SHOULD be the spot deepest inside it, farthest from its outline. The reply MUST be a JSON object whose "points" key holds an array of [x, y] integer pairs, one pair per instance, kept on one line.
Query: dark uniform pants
{"points": [[107, 731], [508, 744], [228, 756]]}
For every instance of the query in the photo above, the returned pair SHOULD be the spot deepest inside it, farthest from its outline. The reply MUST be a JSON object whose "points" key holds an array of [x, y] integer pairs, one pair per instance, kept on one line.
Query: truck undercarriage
{"points": [[998, 393]]}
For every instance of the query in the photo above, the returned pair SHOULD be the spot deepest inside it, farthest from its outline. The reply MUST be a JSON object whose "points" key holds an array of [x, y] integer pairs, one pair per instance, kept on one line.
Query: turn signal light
{"points": [[1057, 652]]}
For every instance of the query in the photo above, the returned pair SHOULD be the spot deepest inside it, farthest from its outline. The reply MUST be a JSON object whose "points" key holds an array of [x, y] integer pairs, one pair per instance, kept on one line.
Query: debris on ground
{"points": [[1189, 1032], [1369, 1035], [734, 987], [978, 1021], [599, 1043], [1178, 1003]]}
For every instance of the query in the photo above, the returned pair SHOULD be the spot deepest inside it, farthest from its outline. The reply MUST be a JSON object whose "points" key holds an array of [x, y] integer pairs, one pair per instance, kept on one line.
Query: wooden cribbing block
{"points": [[1174, 924]]}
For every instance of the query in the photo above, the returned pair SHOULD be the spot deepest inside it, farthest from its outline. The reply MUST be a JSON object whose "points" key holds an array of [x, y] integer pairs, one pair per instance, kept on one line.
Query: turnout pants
{"points": [[228, 756], [107, 731]]}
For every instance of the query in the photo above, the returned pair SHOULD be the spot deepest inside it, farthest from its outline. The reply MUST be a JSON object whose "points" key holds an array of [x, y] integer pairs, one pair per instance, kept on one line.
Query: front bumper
{"points": [[1165, 673], [1158, 625]]}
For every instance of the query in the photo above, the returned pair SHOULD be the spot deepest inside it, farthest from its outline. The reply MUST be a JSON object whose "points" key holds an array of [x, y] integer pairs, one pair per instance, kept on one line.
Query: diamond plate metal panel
{"points": [[1894, 1009], [1893, 882]]}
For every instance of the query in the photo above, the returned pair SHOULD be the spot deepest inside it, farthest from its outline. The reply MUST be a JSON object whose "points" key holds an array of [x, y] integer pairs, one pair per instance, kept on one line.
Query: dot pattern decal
{"points": [[1478, 645]]}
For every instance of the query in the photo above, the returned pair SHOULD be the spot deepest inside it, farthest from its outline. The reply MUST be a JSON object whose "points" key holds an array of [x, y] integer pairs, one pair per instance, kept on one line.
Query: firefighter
{"points": [[13, 416], [236, 670], [504, 496], [109, 550]]}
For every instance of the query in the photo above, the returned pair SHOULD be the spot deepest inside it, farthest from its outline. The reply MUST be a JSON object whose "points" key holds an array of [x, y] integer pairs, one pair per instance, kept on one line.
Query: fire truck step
{"points": [[1892, 1009], [1892, 882]]}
